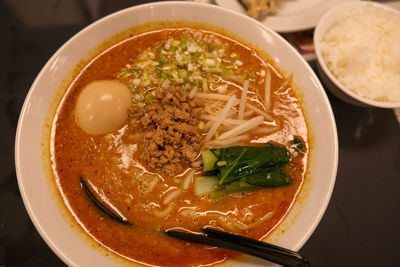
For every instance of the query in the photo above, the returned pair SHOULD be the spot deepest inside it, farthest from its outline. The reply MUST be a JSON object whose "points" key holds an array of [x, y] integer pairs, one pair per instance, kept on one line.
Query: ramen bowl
{"points": [[39, 190]]}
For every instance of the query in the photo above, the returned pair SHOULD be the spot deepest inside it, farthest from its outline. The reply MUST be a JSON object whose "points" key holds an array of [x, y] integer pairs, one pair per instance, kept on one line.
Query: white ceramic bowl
{"points": [[329, 80], [73, 247]]}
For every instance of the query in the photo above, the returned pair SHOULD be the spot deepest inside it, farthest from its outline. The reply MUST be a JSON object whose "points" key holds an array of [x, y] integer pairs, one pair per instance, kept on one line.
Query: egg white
{"points": [[102, 106]]}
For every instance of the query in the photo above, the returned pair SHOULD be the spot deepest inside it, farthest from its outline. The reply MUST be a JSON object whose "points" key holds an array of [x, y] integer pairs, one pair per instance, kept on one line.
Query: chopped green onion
{"points": [[183, 40], [210, 47], [148, 98], [146, 74], [187, 60], [227, 71], [181, 185], [221, 163], [123, 74], [215, 70], [205, 86], [196, 55], [201, 125], [182, 73]]}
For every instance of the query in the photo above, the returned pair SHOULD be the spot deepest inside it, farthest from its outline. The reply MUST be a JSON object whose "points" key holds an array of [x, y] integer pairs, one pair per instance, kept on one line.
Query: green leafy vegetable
{"points": [[298, 145], [209, 160], [247, 167], [270, 178], [205, 184], [239, 186]]}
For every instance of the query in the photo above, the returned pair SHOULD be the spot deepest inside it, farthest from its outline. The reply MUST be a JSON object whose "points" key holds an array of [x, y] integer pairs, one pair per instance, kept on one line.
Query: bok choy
{"points": [[241, 168]]}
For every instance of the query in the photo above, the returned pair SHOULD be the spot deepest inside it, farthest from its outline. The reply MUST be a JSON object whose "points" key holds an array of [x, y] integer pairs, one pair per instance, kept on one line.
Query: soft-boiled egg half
{"points": [[102, 106]]}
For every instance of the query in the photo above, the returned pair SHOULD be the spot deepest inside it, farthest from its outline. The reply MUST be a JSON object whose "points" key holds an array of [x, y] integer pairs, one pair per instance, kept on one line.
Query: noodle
{"points": [[171, 196], [188, 180]]}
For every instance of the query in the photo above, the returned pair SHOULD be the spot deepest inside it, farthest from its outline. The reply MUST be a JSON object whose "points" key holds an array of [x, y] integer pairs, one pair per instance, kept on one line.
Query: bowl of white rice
{"points": [[358, 51]]}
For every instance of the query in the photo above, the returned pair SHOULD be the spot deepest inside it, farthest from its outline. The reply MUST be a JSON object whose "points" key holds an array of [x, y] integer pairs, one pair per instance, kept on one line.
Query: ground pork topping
{"points": [[169, 138]]}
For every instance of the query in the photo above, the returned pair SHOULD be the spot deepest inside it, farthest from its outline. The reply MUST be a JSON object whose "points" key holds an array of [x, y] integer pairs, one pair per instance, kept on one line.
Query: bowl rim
{"points": [[326, 21], [322, 208]]}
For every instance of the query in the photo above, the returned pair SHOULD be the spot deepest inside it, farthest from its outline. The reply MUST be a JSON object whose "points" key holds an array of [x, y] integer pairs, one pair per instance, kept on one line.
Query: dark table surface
{"points": [[361, 226]]}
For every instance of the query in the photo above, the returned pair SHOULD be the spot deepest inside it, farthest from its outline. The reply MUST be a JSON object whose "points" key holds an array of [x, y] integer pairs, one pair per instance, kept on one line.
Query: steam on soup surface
{"points": [[214, 136]]}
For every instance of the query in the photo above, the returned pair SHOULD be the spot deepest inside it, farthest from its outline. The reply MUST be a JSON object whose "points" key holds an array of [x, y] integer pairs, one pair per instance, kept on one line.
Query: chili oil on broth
{"points": [[111, 164]]}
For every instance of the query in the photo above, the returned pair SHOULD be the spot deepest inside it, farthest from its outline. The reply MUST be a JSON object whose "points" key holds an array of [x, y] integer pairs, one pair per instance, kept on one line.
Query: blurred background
{"points": [[360, 226]]}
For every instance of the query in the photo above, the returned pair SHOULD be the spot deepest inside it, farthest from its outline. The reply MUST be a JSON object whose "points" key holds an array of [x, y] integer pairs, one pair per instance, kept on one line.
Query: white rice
{"points": [[362, 51]]}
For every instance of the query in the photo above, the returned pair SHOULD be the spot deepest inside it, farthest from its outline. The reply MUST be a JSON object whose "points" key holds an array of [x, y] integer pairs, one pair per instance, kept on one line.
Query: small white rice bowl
{"points": [[358, 51]]}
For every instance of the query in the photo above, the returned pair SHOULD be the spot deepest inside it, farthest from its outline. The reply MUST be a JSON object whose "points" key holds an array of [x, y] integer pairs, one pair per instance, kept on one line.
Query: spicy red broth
{"points": [[150, 199]]}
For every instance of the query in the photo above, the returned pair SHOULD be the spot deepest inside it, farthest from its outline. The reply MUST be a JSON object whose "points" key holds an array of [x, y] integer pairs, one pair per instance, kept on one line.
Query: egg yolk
{"points": [[102, 106]]}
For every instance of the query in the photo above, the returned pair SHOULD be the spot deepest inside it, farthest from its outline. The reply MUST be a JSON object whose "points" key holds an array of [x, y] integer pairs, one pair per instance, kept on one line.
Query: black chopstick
{"points": [[248, 241], [100, 205], [243, 244]]}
